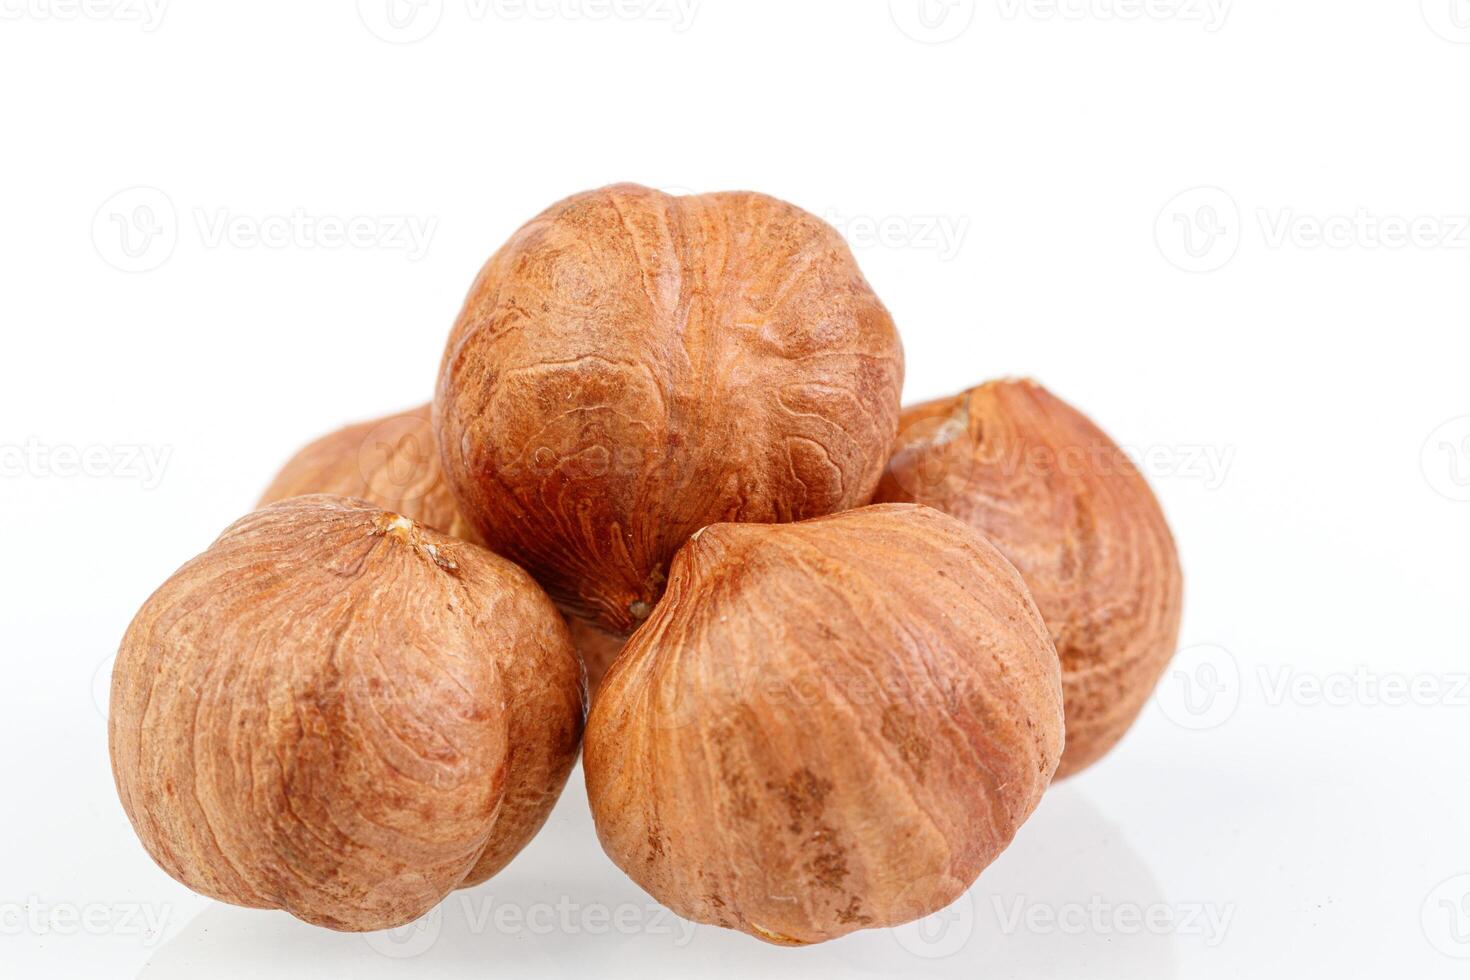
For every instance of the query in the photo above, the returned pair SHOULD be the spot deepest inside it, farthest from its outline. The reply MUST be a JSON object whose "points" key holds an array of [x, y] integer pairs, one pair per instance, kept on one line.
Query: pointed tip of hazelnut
{"points": [[396, 524], [1011, 381]]}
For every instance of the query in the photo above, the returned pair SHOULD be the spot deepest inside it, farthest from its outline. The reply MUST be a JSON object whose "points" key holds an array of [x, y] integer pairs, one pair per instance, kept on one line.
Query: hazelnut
{"points": [[392, 462], [1072, 513], [340, 713], [825, 726], [632, 366]]}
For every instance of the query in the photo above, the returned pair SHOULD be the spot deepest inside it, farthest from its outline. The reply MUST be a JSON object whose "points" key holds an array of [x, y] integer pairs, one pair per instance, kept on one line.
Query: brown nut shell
{"points": [[825, 726], [1065, 504], [392, 462], [326, 712], [632, 366]]}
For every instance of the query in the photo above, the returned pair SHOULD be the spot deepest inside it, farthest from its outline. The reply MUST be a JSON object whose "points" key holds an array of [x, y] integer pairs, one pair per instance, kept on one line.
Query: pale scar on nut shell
{"points": [[393, 462]]}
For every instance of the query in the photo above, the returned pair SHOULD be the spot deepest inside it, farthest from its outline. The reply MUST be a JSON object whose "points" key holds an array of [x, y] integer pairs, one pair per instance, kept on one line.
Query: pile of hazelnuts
{"points": [[835, 651]]}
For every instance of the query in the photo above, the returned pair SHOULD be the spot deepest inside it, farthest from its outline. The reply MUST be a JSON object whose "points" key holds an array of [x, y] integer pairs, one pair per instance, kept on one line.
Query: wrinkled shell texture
{"points": [[392, 462], [1072, 513], [825, 726], [339, 713], [632, 366]]}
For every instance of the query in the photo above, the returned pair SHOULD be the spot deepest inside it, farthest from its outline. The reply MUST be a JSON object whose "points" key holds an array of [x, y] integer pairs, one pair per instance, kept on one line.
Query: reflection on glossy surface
{"points": [[1069, 898]]}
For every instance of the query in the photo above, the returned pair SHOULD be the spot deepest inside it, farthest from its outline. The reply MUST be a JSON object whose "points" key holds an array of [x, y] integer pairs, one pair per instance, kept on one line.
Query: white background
{"points": [[1022, 185]]}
